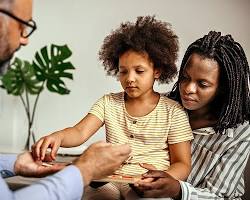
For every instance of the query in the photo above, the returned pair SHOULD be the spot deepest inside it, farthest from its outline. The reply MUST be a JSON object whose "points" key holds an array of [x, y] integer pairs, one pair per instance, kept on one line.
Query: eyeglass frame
{"points": [[33, 26]]}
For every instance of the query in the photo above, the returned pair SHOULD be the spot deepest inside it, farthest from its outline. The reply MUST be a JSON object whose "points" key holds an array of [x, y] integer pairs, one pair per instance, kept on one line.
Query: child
{"points": [[156, 127]]}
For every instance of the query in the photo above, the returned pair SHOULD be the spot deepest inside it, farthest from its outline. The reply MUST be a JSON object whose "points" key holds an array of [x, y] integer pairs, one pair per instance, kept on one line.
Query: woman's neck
{"points": [[201, 119]]}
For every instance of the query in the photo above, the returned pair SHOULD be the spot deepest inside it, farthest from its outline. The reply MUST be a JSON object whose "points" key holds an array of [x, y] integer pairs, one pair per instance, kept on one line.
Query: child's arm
{"points": [[180, 159], [81, 132], [68, 137]]}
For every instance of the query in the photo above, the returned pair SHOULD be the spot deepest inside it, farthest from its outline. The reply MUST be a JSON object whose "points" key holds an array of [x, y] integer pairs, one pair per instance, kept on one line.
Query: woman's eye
{"points": [[203, 84], [184, 78]]}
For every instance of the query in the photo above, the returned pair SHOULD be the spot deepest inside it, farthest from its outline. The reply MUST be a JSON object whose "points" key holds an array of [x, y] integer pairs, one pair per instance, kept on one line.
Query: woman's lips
{"points": [[188, 99]]}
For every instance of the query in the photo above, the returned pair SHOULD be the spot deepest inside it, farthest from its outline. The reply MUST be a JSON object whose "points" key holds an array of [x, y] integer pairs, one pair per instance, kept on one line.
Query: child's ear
{"points": [[157, 73]]}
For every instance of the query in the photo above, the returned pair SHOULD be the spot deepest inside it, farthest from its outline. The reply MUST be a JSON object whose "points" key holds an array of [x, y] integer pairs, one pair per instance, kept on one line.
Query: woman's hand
{"points": [[52, 141], [148, 167], [161, 184]]}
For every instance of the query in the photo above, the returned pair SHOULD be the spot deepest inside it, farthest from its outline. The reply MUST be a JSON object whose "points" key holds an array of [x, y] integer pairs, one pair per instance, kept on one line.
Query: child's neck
{"points": [[139, 107]]}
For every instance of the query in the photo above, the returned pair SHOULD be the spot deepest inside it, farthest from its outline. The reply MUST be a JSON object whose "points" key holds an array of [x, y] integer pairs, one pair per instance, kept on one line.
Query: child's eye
{"points": [[139, 71]]}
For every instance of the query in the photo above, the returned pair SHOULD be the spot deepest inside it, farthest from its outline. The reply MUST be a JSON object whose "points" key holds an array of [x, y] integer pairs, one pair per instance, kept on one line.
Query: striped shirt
{"points": [[218, 162], [149, 135]]}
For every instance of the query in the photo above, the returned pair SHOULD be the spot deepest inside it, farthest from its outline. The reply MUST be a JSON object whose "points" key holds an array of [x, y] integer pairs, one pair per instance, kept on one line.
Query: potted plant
{"points": [[48, 69]]}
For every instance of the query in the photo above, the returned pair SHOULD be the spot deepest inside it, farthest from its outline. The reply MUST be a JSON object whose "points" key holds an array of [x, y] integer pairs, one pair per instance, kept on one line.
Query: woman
{"points": [[213, 86]]}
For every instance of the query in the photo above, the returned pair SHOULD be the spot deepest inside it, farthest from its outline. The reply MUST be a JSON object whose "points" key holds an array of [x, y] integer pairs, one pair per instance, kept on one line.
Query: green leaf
{"points": [[21, 77], [51, 65]]}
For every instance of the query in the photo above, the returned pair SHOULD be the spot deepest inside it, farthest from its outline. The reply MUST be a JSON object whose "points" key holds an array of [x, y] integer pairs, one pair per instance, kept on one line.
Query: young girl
{"points": [[156, 127]]}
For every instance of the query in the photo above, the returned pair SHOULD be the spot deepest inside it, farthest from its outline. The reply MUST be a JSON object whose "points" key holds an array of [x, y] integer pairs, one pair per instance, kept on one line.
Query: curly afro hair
{"points": [[145, 35]]}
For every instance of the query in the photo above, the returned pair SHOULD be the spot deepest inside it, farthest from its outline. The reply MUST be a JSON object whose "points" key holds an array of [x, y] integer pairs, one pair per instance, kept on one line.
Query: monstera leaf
{"points": [[21, 77], [51, 66]]}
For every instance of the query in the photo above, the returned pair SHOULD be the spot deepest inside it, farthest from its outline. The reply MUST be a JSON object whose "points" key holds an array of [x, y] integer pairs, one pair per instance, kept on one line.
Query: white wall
{"points": [[83, 25]]}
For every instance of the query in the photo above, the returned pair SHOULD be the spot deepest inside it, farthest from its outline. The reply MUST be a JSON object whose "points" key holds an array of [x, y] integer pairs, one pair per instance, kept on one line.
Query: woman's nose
{"points": [[190, 88]]}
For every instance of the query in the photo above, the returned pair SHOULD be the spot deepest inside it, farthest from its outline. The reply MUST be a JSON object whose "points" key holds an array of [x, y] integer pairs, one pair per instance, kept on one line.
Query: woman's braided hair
{"points": [[232, 104]]}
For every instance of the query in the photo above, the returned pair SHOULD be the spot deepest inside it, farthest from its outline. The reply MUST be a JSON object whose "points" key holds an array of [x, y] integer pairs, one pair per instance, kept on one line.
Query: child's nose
{"points": [[130, 78]]}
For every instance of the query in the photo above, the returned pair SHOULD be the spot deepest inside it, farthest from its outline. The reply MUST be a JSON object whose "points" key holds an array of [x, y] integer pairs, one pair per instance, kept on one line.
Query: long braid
{"points": [[233, 107]]}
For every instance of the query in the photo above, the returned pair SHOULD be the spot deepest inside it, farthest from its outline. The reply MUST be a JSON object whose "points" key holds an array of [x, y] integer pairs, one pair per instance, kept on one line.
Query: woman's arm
{"points": [[224, 180], [217, 170]]}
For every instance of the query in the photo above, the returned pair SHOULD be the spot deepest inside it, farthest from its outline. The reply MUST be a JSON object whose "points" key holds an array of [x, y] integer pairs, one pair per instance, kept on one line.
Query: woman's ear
{"points": [[157, 73]]}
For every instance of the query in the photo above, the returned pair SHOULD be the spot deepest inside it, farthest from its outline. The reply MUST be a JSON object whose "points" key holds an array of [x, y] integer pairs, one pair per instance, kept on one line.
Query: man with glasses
{"points": [[28, 26], [99, 160], [20, 24]]}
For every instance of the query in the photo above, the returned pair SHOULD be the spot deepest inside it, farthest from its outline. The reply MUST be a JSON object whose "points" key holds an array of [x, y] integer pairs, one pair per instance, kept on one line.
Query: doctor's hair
{"points": [[146, 35], [232, 104]]}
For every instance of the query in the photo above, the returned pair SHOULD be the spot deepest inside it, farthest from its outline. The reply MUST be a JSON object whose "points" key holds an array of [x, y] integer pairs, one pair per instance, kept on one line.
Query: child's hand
{"points": [[143, 180], [148, 167], [52, 141]]}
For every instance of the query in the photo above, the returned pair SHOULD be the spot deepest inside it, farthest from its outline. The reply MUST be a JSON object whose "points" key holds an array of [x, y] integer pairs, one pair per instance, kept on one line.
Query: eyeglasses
{"points": [[30, 26]]}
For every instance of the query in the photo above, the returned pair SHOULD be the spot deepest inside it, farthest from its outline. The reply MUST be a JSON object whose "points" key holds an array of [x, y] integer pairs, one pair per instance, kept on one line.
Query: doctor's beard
{"points": [[4, 65]]}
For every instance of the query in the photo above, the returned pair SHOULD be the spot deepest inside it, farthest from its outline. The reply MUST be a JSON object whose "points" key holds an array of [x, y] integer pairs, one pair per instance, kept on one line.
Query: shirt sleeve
{"points": [[180, 129], [222, 182], [64, 185], [7, 162], [189, 192], [98, 108]]}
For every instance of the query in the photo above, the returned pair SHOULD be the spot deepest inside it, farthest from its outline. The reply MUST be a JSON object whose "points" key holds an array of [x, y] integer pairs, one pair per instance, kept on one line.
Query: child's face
{"points": [[200, 83], [137, 73]]}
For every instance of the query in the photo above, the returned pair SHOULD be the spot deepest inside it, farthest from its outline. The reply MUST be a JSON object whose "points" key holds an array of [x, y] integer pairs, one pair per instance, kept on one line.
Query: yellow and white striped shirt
{"points": [[149, 135]]}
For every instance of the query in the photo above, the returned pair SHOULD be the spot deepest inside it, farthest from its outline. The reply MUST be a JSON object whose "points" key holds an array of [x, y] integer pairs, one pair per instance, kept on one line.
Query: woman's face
{"points": [[200, 83]]}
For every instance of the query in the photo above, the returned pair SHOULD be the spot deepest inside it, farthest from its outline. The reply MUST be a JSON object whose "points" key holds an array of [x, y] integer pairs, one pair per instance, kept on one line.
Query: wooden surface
{"points": [[17, 182]]}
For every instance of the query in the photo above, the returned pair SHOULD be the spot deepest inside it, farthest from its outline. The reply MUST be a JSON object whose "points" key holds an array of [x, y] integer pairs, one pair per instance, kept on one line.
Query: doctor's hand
{"points": [[25, 165], [101, 159]]}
